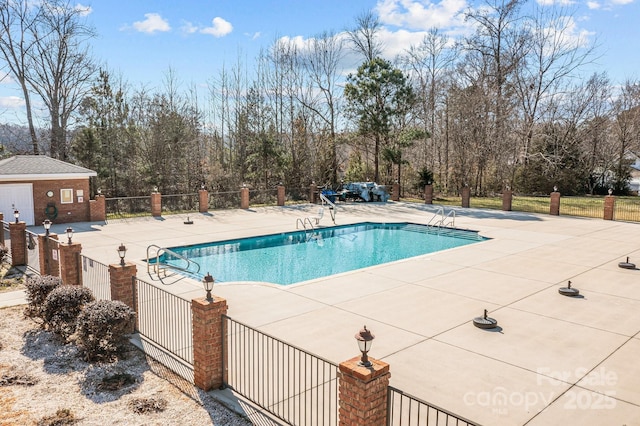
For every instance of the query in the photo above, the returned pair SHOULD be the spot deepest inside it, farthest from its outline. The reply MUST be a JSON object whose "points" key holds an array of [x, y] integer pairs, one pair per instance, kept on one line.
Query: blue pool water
{"points": [[300, 256]]}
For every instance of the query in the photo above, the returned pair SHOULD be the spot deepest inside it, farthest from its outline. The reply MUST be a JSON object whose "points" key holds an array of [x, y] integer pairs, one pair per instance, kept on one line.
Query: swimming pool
{"points": [[294, 257]]}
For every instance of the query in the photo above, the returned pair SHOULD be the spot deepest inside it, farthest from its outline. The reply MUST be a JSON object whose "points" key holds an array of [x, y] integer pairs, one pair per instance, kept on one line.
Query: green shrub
{"points": [[37, 289], [101, 329], [62, 307]]}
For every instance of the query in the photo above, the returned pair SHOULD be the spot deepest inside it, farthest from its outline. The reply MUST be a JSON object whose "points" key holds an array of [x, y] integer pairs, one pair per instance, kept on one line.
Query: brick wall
{"points": [[73, 212]]}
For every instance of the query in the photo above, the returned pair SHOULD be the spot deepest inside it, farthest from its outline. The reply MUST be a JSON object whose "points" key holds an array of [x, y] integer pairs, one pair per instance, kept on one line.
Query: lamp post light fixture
{"points": [[69, 234], [16, 214], [555, 188], [208, 281], [122, 250], [610, 191], [47, 226], [365, 339]]}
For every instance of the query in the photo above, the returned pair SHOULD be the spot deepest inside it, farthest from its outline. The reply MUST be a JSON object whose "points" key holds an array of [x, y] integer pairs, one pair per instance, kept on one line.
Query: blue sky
{"points": [[143, 39]]}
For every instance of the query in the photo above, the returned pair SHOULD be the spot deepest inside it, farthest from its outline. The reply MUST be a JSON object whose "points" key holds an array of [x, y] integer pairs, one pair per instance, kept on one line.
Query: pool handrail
{"points": [[443, 219], [157, 263], [332, 206]]}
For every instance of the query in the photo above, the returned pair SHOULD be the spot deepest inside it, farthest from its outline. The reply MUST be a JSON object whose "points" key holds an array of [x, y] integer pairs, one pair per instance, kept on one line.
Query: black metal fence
{"points": [[179, 203], [165, 319], [32, 251], [6, 239], [290, 383], [627, 209], [95, 276], [406, 410], [224, 200], [123, 207], [263, 197]]}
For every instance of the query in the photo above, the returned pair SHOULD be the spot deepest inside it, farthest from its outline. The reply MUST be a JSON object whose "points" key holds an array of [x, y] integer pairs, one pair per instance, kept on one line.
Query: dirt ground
{"points": [[44, 381]]}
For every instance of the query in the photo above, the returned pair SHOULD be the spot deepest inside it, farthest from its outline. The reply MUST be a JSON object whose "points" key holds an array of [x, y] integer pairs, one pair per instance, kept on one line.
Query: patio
{"points": [[555, 359]]}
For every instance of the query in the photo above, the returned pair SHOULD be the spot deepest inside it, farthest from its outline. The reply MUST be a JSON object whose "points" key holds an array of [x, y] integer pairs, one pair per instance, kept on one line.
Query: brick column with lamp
{"points": [[70, 263], [156, 203], [18, 235], [281, 196], [428, 194], [203, 200], [244, 198], [609, 206], [208, 346], [507, 200], [466, 196], [554, 205], [362, 387]]}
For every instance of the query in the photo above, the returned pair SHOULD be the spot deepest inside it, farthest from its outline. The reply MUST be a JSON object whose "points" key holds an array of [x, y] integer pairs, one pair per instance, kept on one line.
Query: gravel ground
{"points": [[45, 382]]}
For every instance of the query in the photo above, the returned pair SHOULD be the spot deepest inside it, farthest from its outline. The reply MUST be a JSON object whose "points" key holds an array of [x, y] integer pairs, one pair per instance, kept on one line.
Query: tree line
{"points": [[505, 106]]}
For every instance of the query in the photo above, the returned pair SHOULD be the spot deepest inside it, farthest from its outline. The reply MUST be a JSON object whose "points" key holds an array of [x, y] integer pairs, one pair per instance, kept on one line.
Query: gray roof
{"points": [[39, 167]]}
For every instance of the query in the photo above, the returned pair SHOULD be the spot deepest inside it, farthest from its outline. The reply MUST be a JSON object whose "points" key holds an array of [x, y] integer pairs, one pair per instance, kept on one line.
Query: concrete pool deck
{"points": [[554, 360]]}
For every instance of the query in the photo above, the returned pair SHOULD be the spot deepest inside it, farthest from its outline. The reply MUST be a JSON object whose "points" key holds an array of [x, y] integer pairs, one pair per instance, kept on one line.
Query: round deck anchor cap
{"points": [[485, 322]]}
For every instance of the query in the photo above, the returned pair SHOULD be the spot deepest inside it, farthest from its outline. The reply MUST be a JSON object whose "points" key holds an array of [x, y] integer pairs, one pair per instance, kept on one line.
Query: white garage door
{"points": [[17, 196]]}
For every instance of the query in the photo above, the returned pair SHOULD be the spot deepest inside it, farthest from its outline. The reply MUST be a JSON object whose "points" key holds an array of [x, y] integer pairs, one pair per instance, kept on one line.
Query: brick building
{"points": [[40, 188]]}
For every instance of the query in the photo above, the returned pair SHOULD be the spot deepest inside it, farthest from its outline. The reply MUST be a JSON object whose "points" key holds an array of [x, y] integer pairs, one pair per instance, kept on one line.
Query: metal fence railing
{"points": [[582, 206], [627, 209], [123, 207], [32, 251], [290, 383], [165, 319], [263, 197], [406, 410], [530, 204], [224, 200], [6, 239], [179, 203], [95, 276], [297, 195]]}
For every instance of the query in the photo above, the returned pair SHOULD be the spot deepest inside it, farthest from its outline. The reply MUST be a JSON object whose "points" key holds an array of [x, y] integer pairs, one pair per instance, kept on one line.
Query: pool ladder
{"points": [[310, 228], [443, 220], [156, 266]]}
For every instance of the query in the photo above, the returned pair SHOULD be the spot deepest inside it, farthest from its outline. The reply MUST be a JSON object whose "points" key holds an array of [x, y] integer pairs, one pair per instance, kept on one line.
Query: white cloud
{"points": [[11, 102], [189, 28], [593, 5], [153, 23], [421, 14], [622, 2], [555, 2], [83, 10], [219, 28]]}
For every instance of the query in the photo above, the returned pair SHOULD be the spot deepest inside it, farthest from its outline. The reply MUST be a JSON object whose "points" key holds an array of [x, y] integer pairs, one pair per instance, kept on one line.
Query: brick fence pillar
{"points": [[208, 348], [313, 193], [48, 252], [363, 393], [554, 206], [18, 235], [156, 204], [428, 194], [609, 207], [244, 198], [507, 200], [281, 195], [203, 201], [466, 196], [98, 209], [120, 278], [70, 266], [395, 192]]}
